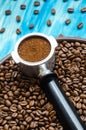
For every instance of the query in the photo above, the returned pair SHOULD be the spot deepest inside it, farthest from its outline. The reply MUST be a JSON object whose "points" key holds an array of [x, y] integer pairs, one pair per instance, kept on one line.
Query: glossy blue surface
{"points": [[9, 37]]}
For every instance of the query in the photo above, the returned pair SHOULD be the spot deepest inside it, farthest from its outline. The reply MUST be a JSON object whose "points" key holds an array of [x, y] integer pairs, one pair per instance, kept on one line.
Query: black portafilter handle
{"points": [[65, 110]]}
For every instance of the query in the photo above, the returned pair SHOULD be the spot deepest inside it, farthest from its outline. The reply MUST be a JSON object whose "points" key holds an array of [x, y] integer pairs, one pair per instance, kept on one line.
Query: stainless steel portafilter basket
{"points": [[49, 83], [36, 68]]}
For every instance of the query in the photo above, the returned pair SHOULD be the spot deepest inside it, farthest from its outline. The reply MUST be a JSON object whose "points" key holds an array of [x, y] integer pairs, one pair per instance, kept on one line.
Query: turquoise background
{"points": [[9, 37]]}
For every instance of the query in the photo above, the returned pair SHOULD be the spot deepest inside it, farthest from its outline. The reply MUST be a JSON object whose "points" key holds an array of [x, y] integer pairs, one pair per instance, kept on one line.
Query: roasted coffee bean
{"points": [[78, 105], [70, 10], [22, 127], [33, 124], [8, 118], [49, 22], [7, 12], [53, 11], [18, 31], [23, 6], [19, 116], [31, 26], [28, 119], [8, 103], [14, 127], [36, 11], [27, 94], [14, 115], [80, 25], [83, 10], [5, 108], [19, 107], [31, 103], [2, 30], [6, 127], [36, 3], [18, 18], [4, 122], [13, 108], [51, 128], [68, 21], [12, 123], [10, 94], [23, 103]]}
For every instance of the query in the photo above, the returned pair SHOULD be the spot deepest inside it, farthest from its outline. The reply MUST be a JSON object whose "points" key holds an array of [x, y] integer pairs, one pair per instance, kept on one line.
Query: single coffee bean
{"points": [[42, 101], [45, 113], [78, 105], [83, 10], [53, 11], [31, 103], [27, 94], [4, 122], [19, 116], [12, 123], [83, 96], [70, 10], [23, 103], [36, 3], [80, 25], [13, 108], [8, 103], [6, 127], [33, 124], [24, 123], [2, 78], [18, 31], [18, 18], [23, 6], [7, 12], [22, 127], [10, 93], [8, 118], [14, 127], [49, 22], [68, 21], [36, 11], [15, 101], [1, 128], [2, 30], [5, 108], [31, 26], [5, 96], [68, 94], [14, 115], [1, 120], [19, 107], [51, 128], [28, 119]]}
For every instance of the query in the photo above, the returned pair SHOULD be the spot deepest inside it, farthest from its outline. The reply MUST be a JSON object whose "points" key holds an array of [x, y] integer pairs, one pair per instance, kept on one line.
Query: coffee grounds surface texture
{"points": [[34, 49]]}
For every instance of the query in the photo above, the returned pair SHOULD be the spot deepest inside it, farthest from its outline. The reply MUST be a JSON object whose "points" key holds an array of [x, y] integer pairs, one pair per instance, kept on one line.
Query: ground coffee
{"points": [[34, 49]]}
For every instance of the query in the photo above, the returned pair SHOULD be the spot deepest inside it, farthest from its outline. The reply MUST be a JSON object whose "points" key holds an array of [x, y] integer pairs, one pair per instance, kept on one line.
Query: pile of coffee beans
{"points": [[24, 105], [70, 68]]}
